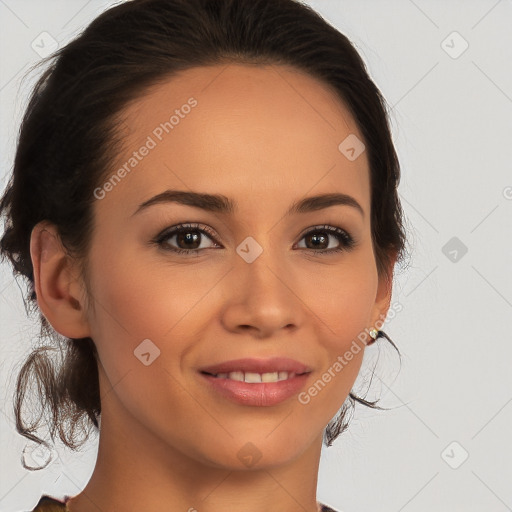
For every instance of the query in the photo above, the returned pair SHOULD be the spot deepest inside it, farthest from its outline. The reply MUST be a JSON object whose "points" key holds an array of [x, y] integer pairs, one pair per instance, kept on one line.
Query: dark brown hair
{"points": [[68, 141]]}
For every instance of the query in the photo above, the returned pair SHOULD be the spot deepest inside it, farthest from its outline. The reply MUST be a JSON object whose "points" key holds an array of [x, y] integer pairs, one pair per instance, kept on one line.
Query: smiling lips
{"points": [[260, 366], [253, 377], [259, 382]]}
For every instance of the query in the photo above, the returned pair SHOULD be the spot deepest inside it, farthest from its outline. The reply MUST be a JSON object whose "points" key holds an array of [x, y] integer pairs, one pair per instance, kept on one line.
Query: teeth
{"points": [[270, 377], [252, 377]]}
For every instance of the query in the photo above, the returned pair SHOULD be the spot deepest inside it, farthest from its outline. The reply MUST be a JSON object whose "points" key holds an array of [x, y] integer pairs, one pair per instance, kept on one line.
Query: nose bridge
{"points": [[263, 299], [260, 261]]}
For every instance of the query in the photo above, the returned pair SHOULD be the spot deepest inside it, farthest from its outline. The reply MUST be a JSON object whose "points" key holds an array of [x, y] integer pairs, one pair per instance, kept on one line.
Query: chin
{"points": [[257, 452]]}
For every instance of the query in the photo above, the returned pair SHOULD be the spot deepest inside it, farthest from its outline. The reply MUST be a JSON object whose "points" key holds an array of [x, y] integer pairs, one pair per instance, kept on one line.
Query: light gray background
{"points": [[451, 399]]}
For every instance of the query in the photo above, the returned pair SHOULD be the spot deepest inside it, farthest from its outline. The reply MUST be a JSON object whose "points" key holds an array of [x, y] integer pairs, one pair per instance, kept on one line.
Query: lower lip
{"points": [[262, 394]]}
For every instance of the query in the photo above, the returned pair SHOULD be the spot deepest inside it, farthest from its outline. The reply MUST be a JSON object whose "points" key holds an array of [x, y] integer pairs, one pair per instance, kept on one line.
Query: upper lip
{"points": [[271, 365]]}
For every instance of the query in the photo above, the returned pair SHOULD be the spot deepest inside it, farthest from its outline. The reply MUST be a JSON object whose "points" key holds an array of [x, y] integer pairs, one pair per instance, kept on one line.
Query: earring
{"points": [[374, 334]]}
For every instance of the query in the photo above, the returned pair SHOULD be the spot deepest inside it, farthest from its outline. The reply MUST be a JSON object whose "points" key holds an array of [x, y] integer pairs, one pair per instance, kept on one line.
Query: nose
{"points": [[262, 299]]}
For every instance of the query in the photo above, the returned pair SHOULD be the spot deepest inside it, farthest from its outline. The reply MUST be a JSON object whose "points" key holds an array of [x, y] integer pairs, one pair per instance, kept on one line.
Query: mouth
{"points": [[257, 381], [255, 378], [255, 389], [257, 369]]}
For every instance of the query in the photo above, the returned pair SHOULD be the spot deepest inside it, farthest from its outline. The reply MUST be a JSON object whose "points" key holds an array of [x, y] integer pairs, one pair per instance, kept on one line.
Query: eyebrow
{"points": [[219, 203]]}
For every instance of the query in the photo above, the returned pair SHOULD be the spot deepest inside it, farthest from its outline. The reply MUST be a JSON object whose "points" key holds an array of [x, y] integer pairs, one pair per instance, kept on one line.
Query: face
{"points": [[258, 281]]}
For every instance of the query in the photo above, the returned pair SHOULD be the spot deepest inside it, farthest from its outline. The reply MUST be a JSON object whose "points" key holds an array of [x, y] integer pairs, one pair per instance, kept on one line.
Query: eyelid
{"points": [[349, 241], [344, 237], [183, 226]]}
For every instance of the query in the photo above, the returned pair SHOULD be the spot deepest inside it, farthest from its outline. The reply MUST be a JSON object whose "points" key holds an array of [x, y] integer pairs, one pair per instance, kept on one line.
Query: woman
{"points": [[204, 203]]}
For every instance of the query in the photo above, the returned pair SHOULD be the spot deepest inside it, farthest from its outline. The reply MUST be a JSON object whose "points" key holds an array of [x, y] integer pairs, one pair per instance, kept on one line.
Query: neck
{"points": [[137, 470]]}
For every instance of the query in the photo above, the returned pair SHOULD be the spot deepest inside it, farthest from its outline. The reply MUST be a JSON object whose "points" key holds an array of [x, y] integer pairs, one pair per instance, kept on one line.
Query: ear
{"points": [[59, 293], [383, 297]]}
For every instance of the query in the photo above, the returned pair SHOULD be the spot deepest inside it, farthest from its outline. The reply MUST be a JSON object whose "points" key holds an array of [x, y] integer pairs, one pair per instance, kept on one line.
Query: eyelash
{"points": [[347, 241]]}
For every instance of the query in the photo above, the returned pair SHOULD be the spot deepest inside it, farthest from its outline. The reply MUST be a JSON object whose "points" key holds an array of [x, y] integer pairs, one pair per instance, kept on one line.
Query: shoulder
{"points": [[48, 504]]}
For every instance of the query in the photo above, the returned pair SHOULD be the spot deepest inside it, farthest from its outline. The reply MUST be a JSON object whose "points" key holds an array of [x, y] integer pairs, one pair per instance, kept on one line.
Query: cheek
{"points": [[135, 304], [139, 299], [342, 298], [341, 305]]}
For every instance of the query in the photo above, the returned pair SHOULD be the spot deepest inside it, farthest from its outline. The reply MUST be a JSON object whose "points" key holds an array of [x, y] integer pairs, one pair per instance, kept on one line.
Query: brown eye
{"points": [[188, 238], [317, 239]]}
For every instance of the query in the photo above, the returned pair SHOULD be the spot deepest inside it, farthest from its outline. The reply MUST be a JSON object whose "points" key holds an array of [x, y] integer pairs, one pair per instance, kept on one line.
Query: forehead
{"points": [[259, 132]]}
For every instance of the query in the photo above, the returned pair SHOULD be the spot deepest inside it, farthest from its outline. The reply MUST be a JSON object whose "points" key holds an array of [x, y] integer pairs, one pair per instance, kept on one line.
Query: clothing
{"points": [[48, 504]]}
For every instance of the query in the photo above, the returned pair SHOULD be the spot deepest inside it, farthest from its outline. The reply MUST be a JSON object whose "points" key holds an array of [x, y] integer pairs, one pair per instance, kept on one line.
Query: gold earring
{"points": [[373, 334]]}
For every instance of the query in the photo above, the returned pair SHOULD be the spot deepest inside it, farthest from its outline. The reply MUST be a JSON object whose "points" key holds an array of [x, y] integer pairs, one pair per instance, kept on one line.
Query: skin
{"points": [[265, 137]]}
